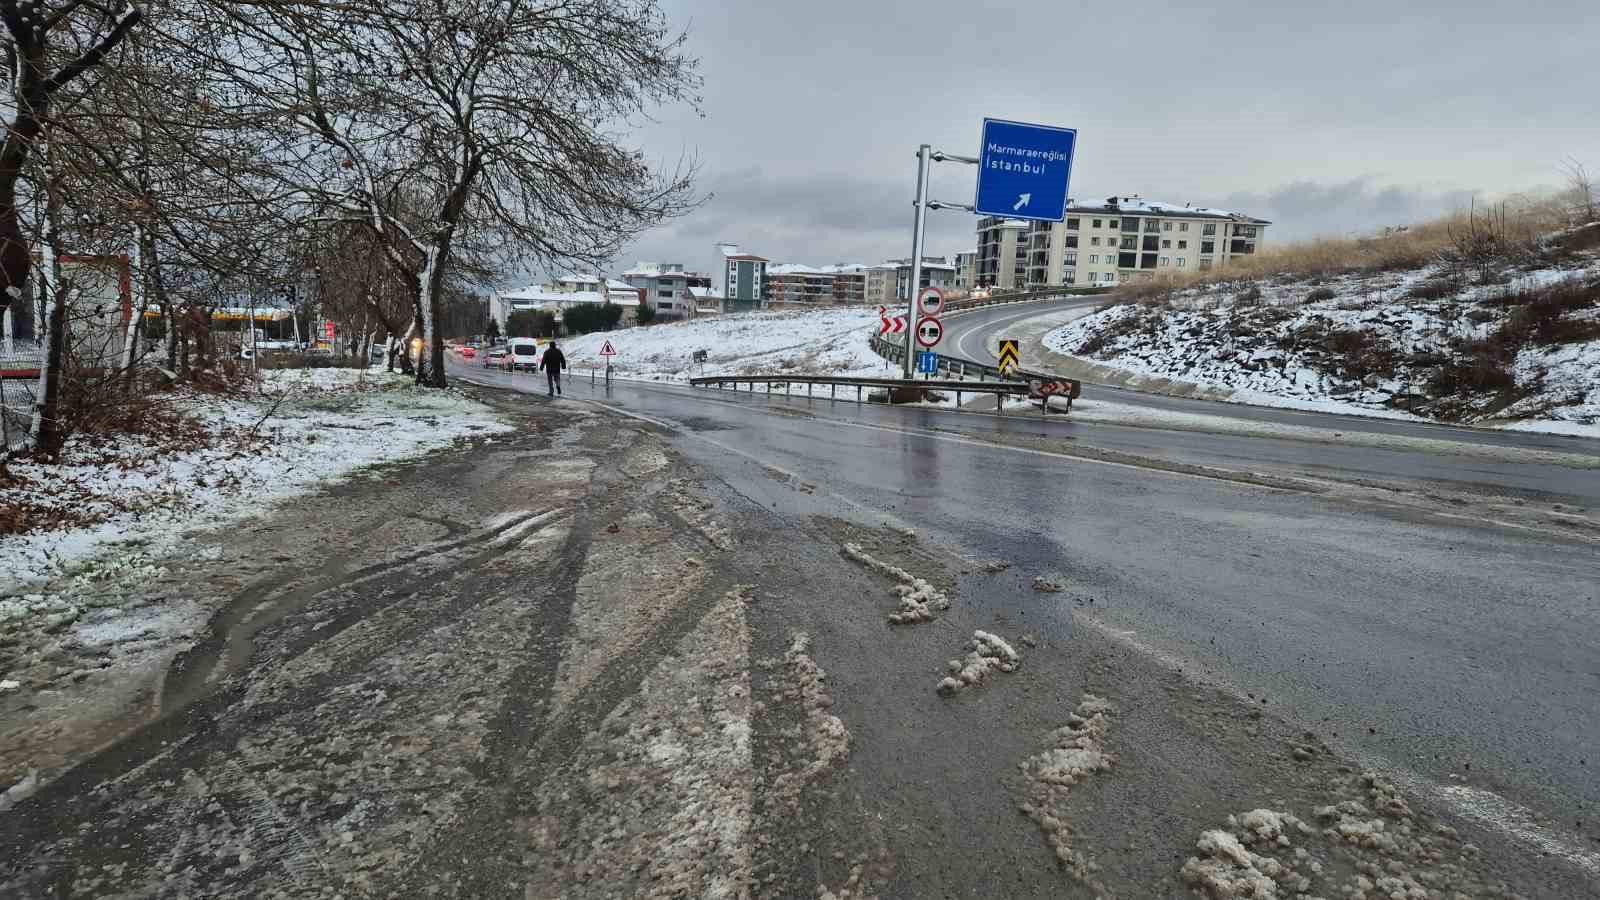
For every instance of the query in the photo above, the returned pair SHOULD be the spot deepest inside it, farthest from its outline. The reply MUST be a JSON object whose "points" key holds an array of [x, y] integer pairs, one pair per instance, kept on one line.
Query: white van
{"points": [[523, 353]]}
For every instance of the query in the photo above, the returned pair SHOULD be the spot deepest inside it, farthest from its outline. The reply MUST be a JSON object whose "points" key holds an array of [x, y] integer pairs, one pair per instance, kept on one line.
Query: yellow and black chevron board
{"points": [[1008, 356]]}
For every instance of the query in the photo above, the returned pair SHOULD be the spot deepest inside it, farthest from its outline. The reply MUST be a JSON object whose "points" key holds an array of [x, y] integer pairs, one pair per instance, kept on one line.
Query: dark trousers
{"points": [[554, 377]]}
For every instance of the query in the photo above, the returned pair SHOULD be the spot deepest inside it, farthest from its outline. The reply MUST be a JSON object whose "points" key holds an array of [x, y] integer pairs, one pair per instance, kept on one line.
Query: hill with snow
{"points": [[1514, 344], [811, 342]]}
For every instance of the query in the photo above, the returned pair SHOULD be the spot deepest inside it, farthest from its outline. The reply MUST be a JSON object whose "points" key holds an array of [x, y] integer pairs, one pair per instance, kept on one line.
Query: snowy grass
{"points": [[811, 342], [327, 424]]}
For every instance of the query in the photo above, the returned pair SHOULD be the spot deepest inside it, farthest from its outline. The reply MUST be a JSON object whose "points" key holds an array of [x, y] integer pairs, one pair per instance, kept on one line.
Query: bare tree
{"points": [[39, 72], [1582, 190], [499, 116]]}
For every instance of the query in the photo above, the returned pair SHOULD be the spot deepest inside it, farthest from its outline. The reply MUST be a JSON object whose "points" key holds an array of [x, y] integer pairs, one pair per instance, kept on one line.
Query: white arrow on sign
{"points": [[1022, 200]]}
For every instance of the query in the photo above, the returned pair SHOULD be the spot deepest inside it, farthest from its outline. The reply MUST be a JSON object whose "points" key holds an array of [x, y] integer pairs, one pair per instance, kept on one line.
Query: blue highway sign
{"points": [[1024, 170], [927, 363]]}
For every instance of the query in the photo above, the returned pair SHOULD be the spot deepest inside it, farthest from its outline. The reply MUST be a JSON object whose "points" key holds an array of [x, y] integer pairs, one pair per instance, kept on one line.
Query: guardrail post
{"points": [[999, 403], [833, 392], [858, 393]]}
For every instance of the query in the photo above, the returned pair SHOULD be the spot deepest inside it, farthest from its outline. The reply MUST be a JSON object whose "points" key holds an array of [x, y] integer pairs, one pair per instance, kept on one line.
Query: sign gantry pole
{"points": [[919, 229]]}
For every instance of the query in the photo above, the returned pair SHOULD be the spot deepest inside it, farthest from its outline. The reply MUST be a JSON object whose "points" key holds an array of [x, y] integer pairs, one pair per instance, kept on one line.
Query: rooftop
{"points": [[1138, 205], [803, 269]]}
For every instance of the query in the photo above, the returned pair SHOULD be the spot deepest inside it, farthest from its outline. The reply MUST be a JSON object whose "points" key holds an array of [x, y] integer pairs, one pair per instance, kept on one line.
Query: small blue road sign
{"points": [[1024, 170], [927, 363]]}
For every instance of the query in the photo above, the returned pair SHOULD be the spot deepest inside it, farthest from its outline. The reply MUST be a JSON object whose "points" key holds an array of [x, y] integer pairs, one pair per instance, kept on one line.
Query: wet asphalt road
{"points": [[1429, 646]]}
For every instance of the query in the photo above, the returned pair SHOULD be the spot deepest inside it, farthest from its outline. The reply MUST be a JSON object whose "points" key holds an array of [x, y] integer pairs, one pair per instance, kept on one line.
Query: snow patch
{"points": [[919, 599], [1077, 750], [826, 740], [1375, 846], [330, 423], [985, 653]]}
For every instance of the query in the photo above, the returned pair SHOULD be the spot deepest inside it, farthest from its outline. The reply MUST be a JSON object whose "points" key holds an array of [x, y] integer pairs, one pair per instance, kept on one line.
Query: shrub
{"points": [[1435, 289], [583, 318], [1539, 314], [534, 323], [1249, 297], [1361, 353], [1320, 295], [1479, 373], [646, 315]]}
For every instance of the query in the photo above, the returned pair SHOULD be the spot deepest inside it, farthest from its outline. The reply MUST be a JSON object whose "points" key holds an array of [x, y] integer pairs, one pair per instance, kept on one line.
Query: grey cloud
{"points": [[1306, 209], [1325, 119]]}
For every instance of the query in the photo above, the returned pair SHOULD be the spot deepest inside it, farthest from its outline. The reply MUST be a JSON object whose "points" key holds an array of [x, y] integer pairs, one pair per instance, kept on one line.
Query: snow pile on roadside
{"points": [[1077, 750], [1369, 344], [825, 738], [985, 653], [812, 342], [229, 462], [1372, 847], [1226, 868], [918, 599]]}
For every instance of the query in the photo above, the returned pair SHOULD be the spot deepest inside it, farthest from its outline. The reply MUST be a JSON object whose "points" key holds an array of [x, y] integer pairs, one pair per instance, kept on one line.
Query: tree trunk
{"points": [[45, 432]]}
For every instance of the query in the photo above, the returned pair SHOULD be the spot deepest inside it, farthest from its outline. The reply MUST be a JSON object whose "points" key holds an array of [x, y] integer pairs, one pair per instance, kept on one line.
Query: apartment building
{"points": [[744, 278], [792, 283], [937, 271], [966, 267], [1130, 237], [667, 287], [880, 284], [1002, 260]]}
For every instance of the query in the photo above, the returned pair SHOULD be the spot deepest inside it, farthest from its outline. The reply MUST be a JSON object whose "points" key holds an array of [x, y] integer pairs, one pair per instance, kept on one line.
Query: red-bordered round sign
{"points": [[930, 331], [931, 301]]}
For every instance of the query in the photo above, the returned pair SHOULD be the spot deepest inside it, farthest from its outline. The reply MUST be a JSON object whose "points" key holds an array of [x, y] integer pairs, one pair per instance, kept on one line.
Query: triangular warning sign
{"points": [[607, 350]]}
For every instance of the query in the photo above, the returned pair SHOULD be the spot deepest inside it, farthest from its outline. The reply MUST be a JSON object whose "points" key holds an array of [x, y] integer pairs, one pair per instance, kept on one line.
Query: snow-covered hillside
{"points": [[1519, 349], [813, 342]]}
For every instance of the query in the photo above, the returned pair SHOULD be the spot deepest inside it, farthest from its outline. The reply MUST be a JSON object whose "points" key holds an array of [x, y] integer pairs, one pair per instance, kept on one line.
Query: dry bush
{"points": [[1436, 289], [1320, 295], [1578, 240], [96, 404], [310, 361], [1525, 221], [1539, 316], [1362, 353], [1478, 373]]}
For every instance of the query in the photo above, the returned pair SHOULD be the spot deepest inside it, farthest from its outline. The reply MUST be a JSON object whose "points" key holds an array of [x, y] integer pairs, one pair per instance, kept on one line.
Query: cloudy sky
{"points": [[1325, 118]]}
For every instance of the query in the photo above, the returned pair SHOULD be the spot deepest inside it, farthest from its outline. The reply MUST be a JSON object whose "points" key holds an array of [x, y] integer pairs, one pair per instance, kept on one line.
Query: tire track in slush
{"points": [[521, 756], [230, 639]]}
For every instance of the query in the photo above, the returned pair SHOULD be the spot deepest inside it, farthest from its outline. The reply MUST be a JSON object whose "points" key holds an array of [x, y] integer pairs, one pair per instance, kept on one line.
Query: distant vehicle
{"points": [[497, 359], [468, 353], [524, 354]]}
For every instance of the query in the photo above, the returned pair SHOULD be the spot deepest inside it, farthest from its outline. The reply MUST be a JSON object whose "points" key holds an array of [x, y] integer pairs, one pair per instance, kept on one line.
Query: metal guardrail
{"points": [[1025, 296], [896, 352], [1017, 383], [1000, 389]]}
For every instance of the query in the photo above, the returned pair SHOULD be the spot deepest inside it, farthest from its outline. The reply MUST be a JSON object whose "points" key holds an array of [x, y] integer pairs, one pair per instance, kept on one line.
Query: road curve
{"points": [[967, 337]]}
